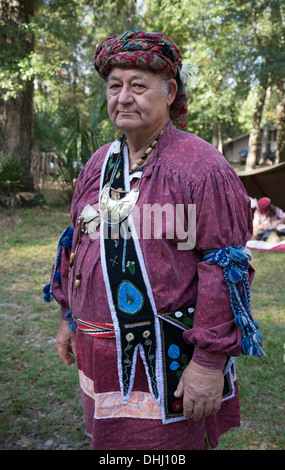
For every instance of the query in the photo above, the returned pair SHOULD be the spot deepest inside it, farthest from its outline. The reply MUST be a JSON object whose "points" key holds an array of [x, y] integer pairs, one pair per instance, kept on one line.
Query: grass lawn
{"points": [[40, 404], [261, 381]]}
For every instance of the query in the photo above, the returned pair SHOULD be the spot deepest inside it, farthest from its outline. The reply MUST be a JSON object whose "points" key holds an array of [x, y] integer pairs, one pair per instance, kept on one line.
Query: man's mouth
{"points": [[126, 112]]}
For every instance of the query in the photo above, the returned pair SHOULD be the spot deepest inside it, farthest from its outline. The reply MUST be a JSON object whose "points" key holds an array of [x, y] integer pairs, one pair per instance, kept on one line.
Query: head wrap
{"points": [[264, 204], [154, 52]]}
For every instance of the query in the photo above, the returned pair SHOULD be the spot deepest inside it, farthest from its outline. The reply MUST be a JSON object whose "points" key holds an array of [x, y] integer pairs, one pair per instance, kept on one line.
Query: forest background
{"points": [[53, 101]]}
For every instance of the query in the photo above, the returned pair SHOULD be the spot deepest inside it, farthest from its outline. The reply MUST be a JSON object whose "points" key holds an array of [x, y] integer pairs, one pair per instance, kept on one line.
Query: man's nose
{"points": [[125, 96]]}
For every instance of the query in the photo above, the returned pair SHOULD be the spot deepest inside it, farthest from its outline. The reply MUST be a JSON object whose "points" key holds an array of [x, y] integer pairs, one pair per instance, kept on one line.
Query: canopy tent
{"points": [[269, 182]]}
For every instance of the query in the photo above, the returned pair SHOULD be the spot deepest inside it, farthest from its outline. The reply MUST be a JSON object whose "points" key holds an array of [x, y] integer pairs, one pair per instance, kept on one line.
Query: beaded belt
{"points": [[98, 330]]}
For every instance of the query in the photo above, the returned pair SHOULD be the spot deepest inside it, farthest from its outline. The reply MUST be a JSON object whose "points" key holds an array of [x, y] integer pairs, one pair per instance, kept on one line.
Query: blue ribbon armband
{"points": [[64, 240], [234, 261]]}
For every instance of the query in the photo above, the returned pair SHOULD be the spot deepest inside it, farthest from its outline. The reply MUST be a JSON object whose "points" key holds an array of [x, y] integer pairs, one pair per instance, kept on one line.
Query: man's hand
{"points": [[66, 343], [201, 389]]}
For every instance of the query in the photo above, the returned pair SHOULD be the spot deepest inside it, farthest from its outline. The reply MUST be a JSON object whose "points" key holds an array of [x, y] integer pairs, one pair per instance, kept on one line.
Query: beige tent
{"points": [[269, 181]]}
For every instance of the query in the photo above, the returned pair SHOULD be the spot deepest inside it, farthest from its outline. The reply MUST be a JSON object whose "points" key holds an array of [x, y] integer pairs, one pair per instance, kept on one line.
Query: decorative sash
{"points": [[129, 294], [137, 325]]}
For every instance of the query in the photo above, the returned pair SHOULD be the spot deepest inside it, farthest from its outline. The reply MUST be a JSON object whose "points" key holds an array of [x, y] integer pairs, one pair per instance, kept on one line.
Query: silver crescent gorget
{"points": [[115, 211]]}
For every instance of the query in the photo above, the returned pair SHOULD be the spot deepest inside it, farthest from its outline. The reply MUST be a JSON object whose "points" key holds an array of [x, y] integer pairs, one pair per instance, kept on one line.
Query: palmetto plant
{"points": [[73, 137], [12, 174]]}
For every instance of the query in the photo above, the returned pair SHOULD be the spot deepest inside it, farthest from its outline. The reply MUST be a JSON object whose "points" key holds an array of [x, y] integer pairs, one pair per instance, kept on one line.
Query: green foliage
{"points": [[12, 175], [19, 63], [236, 46], [71, 116], [73, 137]]}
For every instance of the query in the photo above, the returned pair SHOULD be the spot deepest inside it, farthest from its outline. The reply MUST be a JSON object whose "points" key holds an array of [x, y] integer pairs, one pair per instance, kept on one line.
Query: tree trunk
{"points": [[16, 114], [254, 133], [280, 135], [217, 140], [220, 139]]}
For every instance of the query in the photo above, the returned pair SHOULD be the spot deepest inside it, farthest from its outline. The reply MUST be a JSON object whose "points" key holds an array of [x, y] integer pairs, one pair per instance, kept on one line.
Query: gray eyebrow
{"points": [[134, 76]]}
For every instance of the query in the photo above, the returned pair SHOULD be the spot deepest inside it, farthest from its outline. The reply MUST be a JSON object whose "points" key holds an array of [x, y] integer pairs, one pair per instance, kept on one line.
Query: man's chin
{"points": [[128, 122]]}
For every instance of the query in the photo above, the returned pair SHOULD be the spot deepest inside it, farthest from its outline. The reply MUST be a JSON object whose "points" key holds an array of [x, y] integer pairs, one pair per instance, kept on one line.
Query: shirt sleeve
{"points": [[223, 218], [81, 196], [60, 269], [280, 213], [84, 186], [256, 218]]}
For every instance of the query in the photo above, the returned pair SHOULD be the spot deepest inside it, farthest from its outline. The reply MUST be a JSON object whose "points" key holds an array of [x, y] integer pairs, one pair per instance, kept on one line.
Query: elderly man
{"points": [[156, 323]]}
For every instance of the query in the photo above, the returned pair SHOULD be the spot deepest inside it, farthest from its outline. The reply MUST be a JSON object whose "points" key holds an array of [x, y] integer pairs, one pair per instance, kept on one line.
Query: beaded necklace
{"points": [[146, 154], [116, 210]]}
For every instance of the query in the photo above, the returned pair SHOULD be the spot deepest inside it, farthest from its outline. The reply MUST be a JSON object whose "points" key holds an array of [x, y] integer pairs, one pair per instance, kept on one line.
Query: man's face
{"points": [[138, 100]]}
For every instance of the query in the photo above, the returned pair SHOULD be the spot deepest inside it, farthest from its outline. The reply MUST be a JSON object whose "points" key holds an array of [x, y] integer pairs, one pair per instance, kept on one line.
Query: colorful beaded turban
{"points": [[154, 52]]}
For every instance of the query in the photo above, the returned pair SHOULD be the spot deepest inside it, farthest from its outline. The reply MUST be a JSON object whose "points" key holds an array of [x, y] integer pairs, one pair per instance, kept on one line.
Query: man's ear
{"points": [[172, 88]]}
